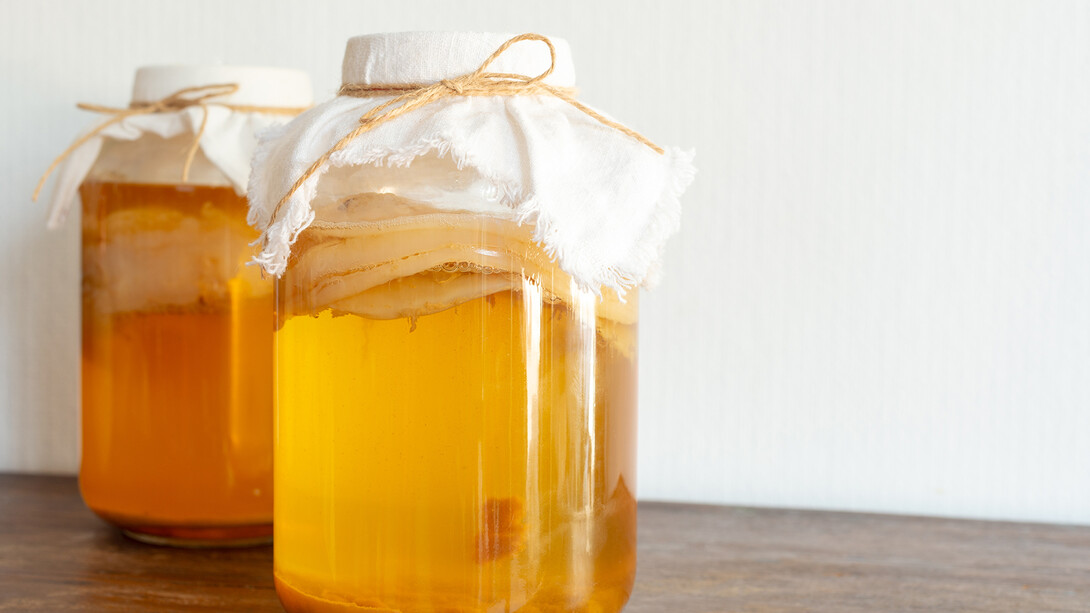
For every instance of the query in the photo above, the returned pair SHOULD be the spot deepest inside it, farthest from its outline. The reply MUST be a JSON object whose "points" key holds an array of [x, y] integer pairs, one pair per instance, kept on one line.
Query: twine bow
{"points": [[183, 98], [477, 83]]}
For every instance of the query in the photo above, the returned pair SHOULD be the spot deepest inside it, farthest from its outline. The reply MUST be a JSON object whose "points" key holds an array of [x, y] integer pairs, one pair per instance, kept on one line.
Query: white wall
{"points": [[880, 299]]}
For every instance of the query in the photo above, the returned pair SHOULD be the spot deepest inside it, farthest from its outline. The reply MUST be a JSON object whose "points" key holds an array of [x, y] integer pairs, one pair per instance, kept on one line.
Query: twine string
{"points": [[409, 97], [186, 97]]}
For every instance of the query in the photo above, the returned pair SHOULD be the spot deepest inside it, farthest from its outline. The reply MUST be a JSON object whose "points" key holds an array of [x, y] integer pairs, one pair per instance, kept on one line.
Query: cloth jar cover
{"points": [[601, 202], [229, 136]]}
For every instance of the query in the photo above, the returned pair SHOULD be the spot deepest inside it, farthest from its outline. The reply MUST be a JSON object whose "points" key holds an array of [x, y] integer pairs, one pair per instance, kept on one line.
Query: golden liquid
{"points": [[177, 365], [478, 458]]}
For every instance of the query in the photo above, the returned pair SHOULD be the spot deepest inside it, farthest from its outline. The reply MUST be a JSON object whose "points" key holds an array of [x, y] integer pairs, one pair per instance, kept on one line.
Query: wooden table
{"points": [[56, 556]]}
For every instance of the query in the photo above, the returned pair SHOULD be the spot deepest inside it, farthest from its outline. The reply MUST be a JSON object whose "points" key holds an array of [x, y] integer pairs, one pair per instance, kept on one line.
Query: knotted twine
{"points": [[412, 96], [183, 98]]}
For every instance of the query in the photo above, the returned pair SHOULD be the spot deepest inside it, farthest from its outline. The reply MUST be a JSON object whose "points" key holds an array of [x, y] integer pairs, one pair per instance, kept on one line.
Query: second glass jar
{"points": [[176, 344]]}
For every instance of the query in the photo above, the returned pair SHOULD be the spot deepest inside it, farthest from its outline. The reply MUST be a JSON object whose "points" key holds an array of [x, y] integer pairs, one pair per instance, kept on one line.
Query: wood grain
{"points": [[56, 556]]}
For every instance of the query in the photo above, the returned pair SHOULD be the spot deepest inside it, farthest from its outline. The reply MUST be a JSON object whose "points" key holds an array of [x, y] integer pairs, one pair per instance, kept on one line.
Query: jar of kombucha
{"points": [[177, 329], [455, 406]]}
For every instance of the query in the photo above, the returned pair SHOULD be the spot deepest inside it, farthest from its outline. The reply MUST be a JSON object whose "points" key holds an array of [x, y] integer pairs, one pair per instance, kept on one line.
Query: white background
{"points": [[880, 299]]}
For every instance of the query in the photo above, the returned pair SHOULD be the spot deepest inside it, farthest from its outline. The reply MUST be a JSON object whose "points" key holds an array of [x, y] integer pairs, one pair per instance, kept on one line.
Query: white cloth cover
{"points": [[602, 203], [229, 137]]}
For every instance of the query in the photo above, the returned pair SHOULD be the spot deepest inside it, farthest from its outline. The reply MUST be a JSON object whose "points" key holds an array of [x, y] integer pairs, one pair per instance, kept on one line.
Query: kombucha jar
{"points": [[456, 422], [455, 407], [176, 328]]}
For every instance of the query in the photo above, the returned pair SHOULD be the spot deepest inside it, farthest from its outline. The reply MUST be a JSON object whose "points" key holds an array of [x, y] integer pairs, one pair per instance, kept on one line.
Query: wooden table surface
{"points": [[56, 556]]}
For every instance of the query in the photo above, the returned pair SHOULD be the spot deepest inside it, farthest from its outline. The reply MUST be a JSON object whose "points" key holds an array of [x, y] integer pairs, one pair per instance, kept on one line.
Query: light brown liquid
{"points": [[177, 365], [474, 457]]}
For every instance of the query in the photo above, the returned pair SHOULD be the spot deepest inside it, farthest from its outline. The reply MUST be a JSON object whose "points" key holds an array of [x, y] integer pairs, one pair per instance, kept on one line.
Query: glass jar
{"points": [[455, 359], [176, 342], [456, 417]]}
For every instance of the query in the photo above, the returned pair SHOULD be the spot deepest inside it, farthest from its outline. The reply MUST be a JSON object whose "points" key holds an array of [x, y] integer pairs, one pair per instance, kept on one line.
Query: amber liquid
{"points": [[177, 366], [479, 458]]}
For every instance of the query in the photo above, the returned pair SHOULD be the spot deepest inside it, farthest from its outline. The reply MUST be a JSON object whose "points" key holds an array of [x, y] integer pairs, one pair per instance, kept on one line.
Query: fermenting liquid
{"points": [[455, 424], [177, 365]]}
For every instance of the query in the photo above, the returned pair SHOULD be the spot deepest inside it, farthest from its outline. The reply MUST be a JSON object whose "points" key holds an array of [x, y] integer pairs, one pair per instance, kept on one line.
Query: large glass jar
{"points": [[177, 333], [456, 417]]}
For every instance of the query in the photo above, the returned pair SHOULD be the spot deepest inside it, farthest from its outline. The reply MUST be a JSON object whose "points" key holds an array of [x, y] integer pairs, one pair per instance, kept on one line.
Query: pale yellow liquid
{"points": [[478, 458]]}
